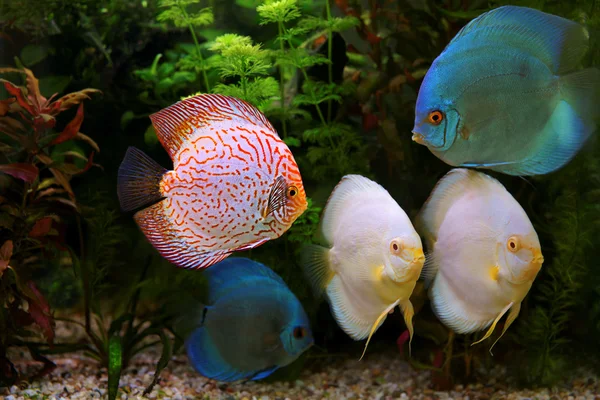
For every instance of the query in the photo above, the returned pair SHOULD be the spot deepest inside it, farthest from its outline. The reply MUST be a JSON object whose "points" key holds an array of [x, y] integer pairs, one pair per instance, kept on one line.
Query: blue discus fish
{"points": [[252, 326], [506, 94]]}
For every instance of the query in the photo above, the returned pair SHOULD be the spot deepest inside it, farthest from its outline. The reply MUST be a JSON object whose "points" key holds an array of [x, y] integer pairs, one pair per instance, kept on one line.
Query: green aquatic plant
{"points": [[248, 63], [572, 223], [177, 11]]}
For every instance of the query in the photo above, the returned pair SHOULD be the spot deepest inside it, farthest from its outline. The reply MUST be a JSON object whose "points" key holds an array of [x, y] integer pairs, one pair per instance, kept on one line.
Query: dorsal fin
{"points": [[558, 42], [443, 196], [234, 272], [176, 123]]}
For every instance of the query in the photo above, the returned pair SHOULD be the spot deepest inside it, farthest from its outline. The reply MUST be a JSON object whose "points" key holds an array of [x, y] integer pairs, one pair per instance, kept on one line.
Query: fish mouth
{"points": [[415, 265], [419, 138]]}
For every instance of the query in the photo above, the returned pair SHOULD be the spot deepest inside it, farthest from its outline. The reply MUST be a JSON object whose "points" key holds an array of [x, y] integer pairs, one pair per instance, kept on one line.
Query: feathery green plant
{"points": [[573, 224], [177, 12]]}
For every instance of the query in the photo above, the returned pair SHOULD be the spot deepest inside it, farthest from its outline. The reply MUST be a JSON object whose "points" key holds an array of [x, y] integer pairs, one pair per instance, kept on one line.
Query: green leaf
{"points": [[33, 54], [163, 362], [183, 77], [54, 84], [150, 137], [278, 11], [248, 3], [115, 360], [292, 141], [126, 118]]}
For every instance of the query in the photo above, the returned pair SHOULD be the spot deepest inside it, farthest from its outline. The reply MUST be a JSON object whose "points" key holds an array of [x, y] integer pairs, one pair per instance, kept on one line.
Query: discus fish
{"points": [[234, 184], [483, 253], [506, 94], [252, 326], [373, 259]]}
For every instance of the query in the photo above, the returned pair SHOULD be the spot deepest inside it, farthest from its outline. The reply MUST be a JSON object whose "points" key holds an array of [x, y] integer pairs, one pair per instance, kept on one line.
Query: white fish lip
{"points": [[419, 138]]}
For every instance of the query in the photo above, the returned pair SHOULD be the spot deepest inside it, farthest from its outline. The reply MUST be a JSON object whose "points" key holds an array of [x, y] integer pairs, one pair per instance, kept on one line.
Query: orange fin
{"points": [[176, 123], [158, 231]]}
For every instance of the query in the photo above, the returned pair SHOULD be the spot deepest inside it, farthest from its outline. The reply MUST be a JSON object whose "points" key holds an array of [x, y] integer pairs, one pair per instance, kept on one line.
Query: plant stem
{"points": [[321, 117], [244, 82], [191, 27], [329, 56], [281, 83]]}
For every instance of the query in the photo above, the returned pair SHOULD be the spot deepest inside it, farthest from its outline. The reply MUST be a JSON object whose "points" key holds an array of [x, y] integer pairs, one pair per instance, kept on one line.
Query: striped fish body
{"points": [[234, 184]]}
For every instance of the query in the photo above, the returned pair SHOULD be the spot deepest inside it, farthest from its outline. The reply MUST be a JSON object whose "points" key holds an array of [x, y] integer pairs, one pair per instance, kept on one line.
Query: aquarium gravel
{"points": [[379, 376]]}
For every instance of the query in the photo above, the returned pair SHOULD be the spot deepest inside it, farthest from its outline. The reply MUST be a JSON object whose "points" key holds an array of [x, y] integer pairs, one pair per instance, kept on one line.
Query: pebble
{"points": [[381, 376]]}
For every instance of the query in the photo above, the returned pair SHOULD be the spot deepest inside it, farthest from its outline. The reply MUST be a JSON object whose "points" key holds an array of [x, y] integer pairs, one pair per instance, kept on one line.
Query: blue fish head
{"points": [[436, 120], [297, 338]]}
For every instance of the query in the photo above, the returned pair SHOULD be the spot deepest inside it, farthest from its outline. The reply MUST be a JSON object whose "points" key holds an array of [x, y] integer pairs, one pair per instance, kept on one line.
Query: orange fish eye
{"points": [[435, 117], [395, 247], [292, 191], [513, 244], [299, 332]]}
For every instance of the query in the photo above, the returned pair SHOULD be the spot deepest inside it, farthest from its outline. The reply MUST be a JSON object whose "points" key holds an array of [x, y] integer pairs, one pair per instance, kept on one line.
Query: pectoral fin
{"points": [[491, 329]]}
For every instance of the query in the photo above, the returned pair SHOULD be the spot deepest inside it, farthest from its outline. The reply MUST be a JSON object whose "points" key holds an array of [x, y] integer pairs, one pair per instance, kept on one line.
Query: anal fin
{"points": [[159, 232], [493, 326]]}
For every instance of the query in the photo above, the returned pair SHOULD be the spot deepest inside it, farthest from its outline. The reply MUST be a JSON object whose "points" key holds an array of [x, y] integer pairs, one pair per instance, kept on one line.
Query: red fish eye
{"points": [[299, 332], [435, 117]]}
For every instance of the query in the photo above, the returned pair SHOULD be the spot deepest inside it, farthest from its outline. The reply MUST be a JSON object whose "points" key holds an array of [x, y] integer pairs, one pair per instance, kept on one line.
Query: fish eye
{"points": [[435, 117], [299, 332], [395, 247], [292, 191], [513, 244]]}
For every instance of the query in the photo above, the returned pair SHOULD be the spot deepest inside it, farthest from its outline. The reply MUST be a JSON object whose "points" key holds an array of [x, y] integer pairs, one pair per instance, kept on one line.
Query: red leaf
{"points": [[5, 254], [40, 312], [41, 227], [439, 359], [369, 121], [23, 171], [401, 340], [5, 106], [72, 127], [16, 91]]}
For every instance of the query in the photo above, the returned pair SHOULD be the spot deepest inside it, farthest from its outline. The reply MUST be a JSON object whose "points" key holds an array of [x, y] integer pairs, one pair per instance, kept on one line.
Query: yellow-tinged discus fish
{"points": [[373, 259], [483, 253]]}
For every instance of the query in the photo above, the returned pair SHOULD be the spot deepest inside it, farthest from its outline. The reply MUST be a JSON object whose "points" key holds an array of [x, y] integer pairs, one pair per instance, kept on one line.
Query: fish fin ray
{"points": [[493, 326], [277, 196], [345, 314], [408, 312], [252, 245], [430, 268], [377, 323], [581, 90], [263, 373], [159, 232], [175, 124], [235, 272], [346, 190], [448, 309], [562, 137], [443, 196], [514, 313], [560, 43], [139, 180], [314, 261]]}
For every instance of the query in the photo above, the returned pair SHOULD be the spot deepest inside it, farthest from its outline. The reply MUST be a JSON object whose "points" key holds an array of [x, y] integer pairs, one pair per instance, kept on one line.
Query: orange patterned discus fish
{"points": [[234, 184]]}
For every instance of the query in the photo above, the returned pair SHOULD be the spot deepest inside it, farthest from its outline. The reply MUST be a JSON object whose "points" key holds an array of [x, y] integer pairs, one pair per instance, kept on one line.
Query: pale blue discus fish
{"points": [[506, 94], [252, 326]]}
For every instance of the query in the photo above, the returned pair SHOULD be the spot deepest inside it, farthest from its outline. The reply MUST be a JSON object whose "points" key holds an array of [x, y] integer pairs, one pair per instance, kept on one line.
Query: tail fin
{"points": [[138, 180], [314, 261], [581, 90]]}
